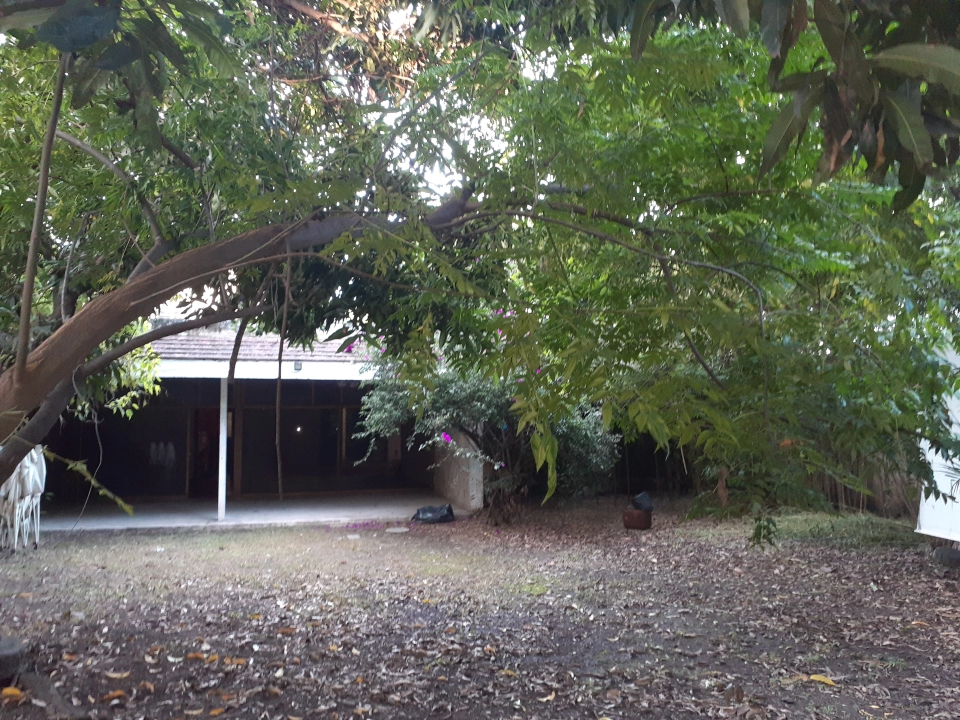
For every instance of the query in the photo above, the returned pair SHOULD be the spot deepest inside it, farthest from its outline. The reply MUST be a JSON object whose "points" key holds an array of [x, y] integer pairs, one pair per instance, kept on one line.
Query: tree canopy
{"points": [[619, 204]]}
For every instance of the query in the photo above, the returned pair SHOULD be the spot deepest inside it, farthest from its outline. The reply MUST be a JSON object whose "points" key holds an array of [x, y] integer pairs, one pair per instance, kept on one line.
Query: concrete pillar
{"points": [[459, 479], [222, 471]]}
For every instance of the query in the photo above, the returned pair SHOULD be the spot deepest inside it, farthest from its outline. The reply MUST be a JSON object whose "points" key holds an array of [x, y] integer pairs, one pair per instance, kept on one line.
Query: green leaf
{"points": [[773, 18], [912, 182], [606, 415], [844, 48], [87, 78], [155, 37], [79, 24], [934, 63], [642, 28], [119, 54], [219, 56], [539, 449], [788, 125], [903, 111], [736, 15], [426, 21]]}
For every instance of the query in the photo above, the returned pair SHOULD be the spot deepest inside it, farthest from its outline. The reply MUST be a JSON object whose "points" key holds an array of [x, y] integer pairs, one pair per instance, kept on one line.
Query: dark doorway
{"points": [[206, 449]]}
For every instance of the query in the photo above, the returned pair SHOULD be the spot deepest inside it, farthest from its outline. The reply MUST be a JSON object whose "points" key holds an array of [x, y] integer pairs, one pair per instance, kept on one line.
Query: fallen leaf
{"points": [[212, 659], [255, 616], [147, 685], [118, 675], [193, 712], [823, 679], [333, 648], [150, 659], [11, 693], [511, 673], [196, 656], [217, 711], [115, 695], [549, 697], [26, 595], [273, 691], [69, 657], [920, 623], [286, 631]]}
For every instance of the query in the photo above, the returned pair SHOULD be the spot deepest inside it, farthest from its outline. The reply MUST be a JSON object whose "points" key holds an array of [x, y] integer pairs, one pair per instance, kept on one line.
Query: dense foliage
{"points": [[631, 224], [468, 415]]}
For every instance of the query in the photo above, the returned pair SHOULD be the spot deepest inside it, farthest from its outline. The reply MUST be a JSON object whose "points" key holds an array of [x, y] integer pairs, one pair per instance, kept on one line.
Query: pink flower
{"points": [[446, 437]]}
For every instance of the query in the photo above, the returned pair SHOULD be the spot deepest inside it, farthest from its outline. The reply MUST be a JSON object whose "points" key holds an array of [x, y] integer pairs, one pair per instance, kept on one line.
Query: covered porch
{"points": [[387, 507]]}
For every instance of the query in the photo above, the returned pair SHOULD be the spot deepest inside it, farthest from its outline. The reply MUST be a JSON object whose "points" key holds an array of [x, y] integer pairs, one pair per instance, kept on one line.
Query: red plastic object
{"points": [[634, 519]]}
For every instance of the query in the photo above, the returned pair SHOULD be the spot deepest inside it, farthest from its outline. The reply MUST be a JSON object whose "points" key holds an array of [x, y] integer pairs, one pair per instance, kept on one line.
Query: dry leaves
{"points": [[683, 621]]}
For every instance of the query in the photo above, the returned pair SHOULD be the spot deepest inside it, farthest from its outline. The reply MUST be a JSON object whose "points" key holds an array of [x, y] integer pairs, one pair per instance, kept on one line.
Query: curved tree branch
{"points": [[58, 356], [16, 446]]}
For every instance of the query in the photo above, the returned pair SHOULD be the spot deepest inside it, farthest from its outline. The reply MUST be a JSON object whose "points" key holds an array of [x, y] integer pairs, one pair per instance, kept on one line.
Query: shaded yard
{"points": [[563, 615]]}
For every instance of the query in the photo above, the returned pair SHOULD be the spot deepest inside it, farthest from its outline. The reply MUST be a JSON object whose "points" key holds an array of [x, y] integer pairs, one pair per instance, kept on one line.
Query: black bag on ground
{"points": [[434, 514], [642, 502]]}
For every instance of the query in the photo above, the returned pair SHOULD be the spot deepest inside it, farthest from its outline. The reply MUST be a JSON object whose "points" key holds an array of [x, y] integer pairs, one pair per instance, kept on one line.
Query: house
{"points": [[941, 518], [204, 437]]}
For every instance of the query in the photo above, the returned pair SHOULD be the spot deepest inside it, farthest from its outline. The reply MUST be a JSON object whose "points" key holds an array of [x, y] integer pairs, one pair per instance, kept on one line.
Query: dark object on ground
{"points": [[11, 658], [642, 502], [431, 514], [947, 556], [634, 519]]}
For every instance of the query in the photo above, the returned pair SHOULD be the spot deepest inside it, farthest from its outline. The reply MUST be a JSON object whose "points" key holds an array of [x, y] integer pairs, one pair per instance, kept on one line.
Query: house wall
{"points": [[941, 518], [457, 478]]}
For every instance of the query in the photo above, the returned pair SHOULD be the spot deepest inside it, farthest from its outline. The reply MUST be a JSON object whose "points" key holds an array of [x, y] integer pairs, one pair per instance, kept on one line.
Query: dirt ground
{"points": [[562, 615]]}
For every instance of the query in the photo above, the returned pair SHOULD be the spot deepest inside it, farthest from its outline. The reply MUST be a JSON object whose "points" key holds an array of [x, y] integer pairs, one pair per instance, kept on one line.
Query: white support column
{"points": [[222, 473]]}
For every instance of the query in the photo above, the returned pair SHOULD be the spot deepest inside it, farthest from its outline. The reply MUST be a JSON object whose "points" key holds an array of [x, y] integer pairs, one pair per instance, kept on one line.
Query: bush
{"points": [[479, 409]]}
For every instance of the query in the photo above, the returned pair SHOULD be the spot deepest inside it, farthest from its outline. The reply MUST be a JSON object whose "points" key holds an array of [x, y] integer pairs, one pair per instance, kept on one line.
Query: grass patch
{"points": [[850, 531]]}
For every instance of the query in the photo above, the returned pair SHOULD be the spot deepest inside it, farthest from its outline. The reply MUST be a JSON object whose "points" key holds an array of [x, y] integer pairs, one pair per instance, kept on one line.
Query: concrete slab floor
{"points": [[327, 510]]}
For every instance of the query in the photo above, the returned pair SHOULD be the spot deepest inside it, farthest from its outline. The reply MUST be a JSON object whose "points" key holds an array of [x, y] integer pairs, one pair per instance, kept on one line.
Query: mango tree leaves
{"points": [[773, 18], [79, 24], [903, 111], [788, 126], [845, 49], [642, 28], [119, 54], [912, 181], [933, 63], [736, 15], [86, 79]]}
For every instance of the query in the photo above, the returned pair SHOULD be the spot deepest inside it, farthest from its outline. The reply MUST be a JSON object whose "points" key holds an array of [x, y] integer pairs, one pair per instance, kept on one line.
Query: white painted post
{"points": [[222, 473]]}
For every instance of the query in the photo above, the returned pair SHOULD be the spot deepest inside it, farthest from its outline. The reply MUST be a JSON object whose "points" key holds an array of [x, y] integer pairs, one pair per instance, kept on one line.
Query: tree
{"points": [[477, 408], [610, 204]]}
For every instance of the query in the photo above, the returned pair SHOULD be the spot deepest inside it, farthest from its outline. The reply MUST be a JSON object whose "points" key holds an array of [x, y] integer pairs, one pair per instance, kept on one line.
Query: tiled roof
{"points": [[219, 346]]}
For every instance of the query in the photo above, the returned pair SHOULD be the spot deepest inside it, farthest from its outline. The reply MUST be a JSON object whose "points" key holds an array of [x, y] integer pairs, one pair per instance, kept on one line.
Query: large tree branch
{"points": [[58, 356], [35, 430]]}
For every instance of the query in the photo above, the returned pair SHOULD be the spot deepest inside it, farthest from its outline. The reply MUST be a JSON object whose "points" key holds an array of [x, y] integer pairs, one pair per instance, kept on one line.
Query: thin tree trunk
{"points": [[236, 350], [283, 335], [39, 210]]}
